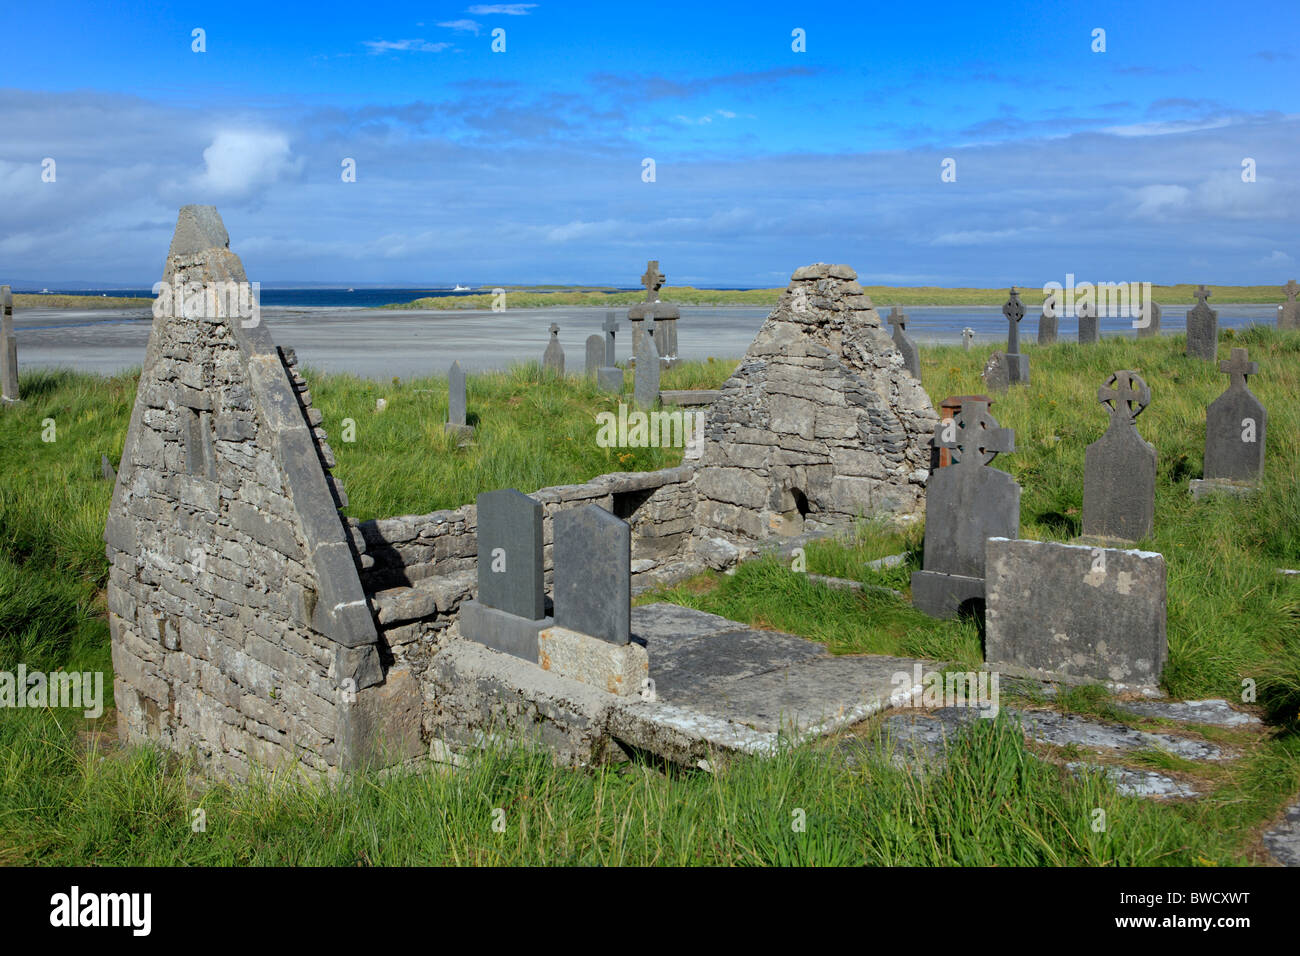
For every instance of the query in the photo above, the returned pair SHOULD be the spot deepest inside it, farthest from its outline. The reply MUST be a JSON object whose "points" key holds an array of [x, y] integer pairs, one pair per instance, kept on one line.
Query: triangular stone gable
{"points": [[240, 629], [820, 423]]}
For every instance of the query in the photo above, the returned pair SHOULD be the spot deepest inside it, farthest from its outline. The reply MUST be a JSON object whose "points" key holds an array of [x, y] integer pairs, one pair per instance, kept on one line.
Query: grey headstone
{"points": [[1234, 426], [967, 337], [996, 374], [106, 469], [645, 389], [510, 553], [1047, 328], [903, 342], [592, 581], [8, 347], [1288, 317], [610, 328], [1089, 325], [595, 354], [1119, 471], [1150, 319], [965, 504], [1203, 328], [1075, 613], [609, 380], [456, 395], [553, 359]]}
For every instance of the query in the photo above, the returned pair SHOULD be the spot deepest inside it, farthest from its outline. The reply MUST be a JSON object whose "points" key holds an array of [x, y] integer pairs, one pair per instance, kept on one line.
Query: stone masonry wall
{"points": [[240, 632], [820, 424]]}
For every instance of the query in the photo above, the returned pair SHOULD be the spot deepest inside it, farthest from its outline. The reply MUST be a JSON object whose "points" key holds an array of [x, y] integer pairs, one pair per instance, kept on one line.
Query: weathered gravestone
{"points": [[1075, 613], [595, 354], [591, 640], [1048, 322], [1119, 472], [965, 504], [610, 328], [663, 314], [553, 359], [645, 388], [1149, 324], [1202, 328], [997, 372], [1089, 324], [1288, 317], [510, 608], [8, 348], [904, 343], [1017, 364], [967, 337], [456, 402], [1234, 429], [106, 469]]}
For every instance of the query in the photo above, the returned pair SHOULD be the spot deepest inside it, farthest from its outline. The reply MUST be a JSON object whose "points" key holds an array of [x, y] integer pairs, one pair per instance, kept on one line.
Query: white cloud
{"points": [[240, 162], [501, 9], [463, 26], [1159, 200], [406, 46]]}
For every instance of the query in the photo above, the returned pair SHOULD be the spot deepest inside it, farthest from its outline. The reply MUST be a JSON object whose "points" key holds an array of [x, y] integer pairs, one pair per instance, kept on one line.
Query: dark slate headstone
{"points": [[609, 380], [1048, 324], [610, 328], [1074, 613], [904, 343], [965, 504], [8, 347], [1203, 329], [553, 359], [592, 581], [510, 553], [1289, 315], [1089, 328], [595, 354], [1234, 426], [1119, 471], [645, 387], [456, 395], [1150, 320]]}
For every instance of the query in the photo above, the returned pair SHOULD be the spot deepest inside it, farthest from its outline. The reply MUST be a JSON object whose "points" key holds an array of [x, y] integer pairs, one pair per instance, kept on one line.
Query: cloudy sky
{"points": [[529, 165]]}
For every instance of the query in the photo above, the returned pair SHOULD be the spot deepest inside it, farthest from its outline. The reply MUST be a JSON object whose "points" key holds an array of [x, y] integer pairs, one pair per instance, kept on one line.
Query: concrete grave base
{"points": [[501, 630], [618, 669], [1075, 613], [1200, 487], [942, 595]]}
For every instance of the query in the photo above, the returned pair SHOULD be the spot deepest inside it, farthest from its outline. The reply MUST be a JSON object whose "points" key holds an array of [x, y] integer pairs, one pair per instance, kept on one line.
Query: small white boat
{"points": [[352, 290], [460, 288]]}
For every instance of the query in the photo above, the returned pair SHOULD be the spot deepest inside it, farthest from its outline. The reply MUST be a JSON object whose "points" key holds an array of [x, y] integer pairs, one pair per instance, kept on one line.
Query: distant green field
{"points": [[541, 297], [29, 300]]}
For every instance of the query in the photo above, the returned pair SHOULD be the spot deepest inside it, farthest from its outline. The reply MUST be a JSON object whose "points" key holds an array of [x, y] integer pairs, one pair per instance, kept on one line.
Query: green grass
{"points": [[36, 300], [67, 797], [541, 297]]}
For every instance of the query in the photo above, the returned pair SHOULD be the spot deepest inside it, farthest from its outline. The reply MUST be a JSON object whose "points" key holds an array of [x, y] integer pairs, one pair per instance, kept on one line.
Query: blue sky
{"points": [[526, 165]]}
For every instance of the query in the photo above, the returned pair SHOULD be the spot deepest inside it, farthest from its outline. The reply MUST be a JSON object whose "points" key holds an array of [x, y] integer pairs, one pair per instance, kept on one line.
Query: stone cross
{"points": [[904, 343], [1202, 328], [553, 359], [1288, 316], [1014, 310], [965, 505], [1235, 424], [456, 396], [653, 280], [610, 328], [645, 385], [1119, 471], [8, 347]]}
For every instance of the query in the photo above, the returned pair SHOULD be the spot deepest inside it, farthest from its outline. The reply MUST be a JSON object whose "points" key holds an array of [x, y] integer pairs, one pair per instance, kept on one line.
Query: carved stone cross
{"points": [[1124, 394], [1202, 294], [973, 437], [1291, 289], [1014, 310], [610, 326], [555, 330], [897, 319], [653, 280], [1238, 367]]}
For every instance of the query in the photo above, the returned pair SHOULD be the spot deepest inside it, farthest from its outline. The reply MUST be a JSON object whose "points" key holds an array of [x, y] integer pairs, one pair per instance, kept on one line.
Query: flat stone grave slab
{"points": [[1061, 730], [763, 679], [1131, 782], [1283, 840], [1216, 712]]}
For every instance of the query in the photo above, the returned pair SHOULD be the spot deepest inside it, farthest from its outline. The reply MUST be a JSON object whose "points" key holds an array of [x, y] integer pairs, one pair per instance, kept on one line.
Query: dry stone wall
{"points": [[820, 424]]}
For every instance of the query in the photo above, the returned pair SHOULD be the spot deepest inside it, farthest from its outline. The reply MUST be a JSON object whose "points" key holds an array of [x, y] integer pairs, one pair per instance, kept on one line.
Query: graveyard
{"points": [[340, 611]]}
